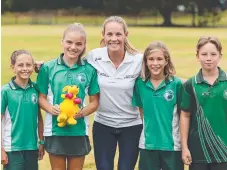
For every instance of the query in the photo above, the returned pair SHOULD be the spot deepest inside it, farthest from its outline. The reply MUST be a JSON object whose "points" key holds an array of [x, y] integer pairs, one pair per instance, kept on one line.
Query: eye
{"points": [[160, 58], [79, 44], [109, 34], [204, 54], [68, 42], [118, 34]]}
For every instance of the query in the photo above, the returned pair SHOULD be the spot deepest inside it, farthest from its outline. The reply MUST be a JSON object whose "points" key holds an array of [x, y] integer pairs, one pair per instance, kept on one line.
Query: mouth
{"points": [[72, 52], [114, 44], [25, 74]]}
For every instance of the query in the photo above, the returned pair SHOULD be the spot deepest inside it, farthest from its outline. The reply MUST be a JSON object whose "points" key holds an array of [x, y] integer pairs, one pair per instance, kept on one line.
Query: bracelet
{"points": [[41, 142]]}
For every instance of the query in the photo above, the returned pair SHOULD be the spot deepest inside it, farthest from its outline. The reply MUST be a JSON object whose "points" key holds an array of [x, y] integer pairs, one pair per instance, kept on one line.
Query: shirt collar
{"points": [[127, 58], [163, 83], [221, 77], [60, 61], [15, 86]]}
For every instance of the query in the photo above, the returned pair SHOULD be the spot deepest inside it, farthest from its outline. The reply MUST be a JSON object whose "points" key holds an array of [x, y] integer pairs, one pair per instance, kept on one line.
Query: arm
{"points": [[90, 108], [4, 157], [40, 133], [47, 106], [141, 112], [184, 129]]}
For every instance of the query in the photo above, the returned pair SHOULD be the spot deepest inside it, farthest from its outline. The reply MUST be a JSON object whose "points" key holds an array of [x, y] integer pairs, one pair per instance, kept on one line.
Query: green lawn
{"points": [[44, 43]]}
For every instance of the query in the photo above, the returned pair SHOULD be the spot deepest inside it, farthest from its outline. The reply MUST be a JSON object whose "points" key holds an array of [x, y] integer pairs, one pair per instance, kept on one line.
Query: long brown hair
{"points": [[127, 46], [169, 69]]}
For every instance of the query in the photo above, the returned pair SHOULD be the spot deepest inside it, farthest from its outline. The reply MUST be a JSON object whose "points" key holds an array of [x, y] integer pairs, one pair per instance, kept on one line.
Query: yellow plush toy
{"points": [[69, 107]]}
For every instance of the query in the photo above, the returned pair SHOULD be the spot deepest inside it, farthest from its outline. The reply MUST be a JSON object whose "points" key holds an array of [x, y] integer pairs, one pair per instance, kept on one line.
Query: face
{"points": [[23, 67], [156, 63], [73, 44], [114, 36], [209, 57]]}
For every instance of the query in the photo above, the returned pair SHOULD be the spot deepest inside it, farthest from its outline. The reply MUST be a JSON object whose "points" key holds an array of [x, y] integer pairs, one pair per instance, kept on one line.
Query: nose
{"points": [[73, 46], [155, 62], [113, 38], [209, 57]]}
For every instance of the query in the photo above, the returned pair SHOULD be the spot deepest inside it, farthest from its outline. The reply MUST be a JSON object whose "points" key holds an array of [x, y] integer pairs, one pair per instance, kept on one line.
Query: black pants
{"points": [[105, 140], [211, 166]]}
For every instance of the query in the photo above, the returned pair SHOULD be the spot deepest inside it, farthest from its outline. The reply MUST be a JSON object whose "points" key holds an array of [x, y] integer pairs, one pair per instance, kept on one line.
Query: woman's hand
{"points": [[4, 157], [55, 110], [41, 152]]}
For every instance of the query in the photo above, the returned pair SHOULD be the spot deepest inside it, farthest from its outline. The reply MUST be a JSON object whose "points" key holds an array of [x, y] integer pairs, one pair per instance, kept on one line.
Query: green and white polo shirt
{"points": [[53, 76], [20, 109], [160, 113], [208, 125]]}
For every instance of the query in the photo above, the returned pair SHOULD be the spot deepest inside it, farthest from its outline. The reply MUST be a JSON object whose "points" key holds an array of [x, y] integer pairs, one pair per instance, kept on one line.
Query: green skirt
{"points": [[67, 145]]}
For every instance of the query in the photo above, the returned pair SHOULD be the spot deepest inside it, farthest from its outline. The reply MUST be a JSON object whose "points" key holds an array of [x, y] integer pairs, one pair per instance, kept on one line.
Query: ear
{"points": [[197, 57], [65, 88], [12, 67], [103, 33], [61, 41], [126, 34]]}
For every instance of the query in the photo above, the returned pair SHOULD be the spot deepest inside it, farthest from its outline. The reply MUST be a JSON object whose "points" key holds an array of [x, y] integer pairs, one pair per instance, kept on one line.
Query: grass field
{"points": [[44, 43]]}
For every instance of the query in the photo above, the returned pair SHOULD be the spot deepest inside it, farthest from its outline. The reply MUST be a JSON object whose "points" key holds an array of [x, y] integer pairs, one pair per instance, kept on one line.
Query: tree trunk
{"points": [[166, 14]]}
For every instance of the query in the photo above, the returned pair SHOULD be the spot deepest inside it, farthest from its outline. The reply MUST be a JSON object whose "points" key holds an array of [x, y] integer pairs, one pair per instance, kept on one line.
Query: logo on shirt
{"points": [[81, 77], [98, 58], [169, 95], [225, 94], [34, 98]]}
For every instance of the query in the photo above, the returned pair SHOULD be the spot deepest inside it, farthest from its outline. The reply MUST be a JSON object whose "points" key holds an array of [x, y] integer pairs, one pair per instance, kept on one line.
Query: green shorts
{"points": [[156, 160], [22, 160], [67, 145]]}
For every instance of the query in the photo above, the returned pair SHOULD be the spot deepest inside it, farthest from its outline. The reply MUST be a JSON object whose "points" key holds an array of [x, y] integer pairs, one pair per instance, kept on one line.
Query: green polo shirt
{"points": [[208, 124], [20, 109], [160, 113], [53, 76]]}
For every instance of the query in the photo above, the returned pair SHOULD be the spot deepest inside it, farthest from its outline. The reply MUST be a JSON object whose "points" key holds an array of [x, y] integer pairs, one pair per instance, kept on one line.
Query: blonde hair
{"points": [[204, 40], [169, 69], [127, 45], [76, 27], [15, 54]]}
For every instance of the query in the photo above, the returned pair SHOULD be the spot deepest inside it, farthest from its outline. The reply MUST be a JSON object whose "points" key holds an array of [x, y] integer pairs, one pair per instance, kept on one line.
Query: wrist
{"points": [[41, 142]]}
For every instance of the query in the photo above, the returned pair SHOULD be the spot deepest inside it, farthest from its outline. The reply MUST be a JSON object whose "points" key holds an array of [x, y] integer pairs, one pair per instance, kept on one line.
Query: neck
{"points": [[210, 73], [157, 77], [21, 82], [70, 61], [117, 57]]}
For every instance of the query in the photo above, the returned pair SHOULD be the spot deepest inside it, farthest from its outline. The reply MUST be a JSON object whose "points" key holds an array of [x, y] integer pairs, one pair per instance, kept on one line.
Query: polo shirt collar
{"points": [[163, 83], [221, 77], [15, 86], [127, 58], [60, 61]]}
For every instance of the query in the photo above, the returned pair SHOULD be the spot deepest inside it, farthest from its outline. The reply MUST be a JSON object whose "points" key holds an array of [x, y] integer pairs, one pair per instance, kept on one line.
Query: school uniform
{"points": [[19, 125], [160, 139], [207, 104], [54, 75], [116, 120]]}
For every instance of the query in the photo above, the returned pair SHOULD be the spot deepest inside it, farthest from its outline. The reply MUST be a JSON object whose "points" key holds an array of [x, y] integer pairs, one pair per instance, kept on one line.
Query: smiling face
{"points": [[74, 44], [23, 67], [209, 56], [156, 63], [114, 37]]}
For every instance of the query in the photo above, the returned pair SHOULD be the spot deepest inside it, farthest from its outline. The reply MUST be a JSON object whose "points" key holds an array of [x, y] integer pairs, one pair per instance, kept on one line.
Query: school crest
{"points": [[81, 77], [225, 94], [34, 98], [169, 95]]}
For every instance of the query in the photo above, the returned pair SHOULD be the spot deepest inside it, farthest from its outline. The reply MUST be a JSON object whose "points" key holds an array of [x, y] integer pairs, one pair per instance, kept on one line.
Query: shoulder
{"points": [[50, 63], [96, 54], [88, 66], [177, 80], [137, 58], [5, 88], [139, 81]]}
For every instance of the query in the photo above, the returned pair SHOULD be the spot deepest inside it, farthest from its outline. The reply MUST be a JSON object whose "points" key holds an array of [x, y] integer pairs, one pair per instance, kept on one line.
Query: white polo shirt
{"points": [[116, 88]]}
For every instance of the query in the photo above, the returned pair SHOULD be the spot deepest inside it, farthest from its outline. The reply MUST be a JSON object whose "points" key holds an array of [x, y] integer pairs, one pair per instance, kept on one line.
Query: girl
{"points": [[20, 114], [67, 146], [204, 111], [157, 94], [116, 121]]}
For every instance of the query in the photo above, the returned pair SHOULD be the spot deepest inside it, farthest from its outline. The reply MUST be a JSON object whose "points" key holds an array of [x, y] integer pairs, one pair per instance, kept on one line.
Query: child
{"points": [[20, 114], [67, 146], [157, 94], [204, 111]]}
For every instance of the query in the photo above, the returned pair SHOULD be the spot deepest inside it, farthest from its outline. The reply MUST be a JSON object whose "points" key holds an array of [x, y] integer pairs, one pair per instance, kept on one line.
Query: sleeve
{"points": [[89, 58], [179, 94], [136, 98], [4, 101], [43, 80], [93, 86], [186, 96]]}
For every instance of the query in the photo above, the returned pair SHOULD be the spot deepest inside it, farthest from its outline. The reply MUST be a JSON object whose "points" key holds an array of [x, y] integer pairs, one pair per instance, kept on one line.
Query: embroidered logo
{"points": [[81, 77], [34, 98], [225, 94], [169, 95]]}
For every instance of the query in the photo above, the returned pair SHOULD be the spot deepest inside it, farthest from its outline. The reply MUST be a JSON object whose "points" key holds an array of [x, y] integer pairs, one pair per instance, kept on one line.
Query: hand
{"points": [[56, 109], [4, 157], [78, 115], [41, 152], [38, 65], [186, 156]]}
